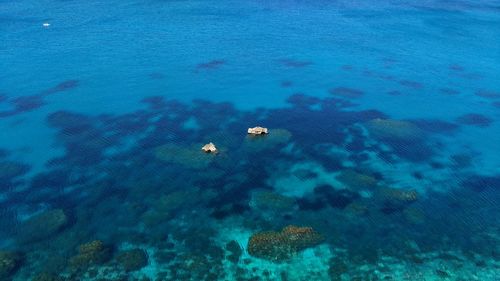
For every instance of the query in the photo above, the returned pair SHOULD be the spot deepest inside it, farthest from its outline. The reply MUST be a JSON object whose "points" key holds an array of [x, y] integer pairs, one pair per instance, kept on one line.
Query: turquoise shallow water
{"points": [[381, 162]]}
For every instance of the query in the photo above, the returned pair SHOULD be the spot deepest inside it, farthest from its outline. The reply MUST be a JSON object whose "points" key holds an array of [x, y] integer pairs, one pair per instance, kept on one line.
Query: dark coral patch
{"points": [[294, 63], [435, 126], [496, 104], [156, 76], [482, 183], [347, 92], [456, 67], [63, 86], [301, 100], [474, 119], [326, 195], [347, 67], [286, 84], [155, 102], [411, 84], [394, 93], [28, 103], [448, 91], [488, 94], [213, 64]]}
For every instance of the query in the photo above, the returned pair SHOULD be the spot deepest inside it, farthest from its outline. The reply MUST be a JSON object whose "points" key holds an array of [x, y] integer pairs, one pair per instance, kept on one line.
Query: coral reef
{"points": [[185, 156], [45, 276], [356, 181], [271, 200], [89, 254], [395, 199], [132, 260], [9, 263], [42, 226], [282, 245], [393, 129]]}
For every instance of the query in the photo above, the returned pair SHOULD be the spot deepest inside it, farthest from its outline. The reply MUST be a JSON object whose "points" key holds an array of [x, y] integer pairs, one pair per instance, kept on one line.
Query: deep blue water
{"points": [[383, 144]]}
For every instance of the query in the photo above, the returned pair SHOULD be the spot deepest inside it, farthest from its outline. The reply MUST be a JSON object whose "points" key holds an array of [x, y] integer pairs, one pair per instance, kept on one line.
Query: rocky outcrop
{"points": [[209, 148], [257, 131]]}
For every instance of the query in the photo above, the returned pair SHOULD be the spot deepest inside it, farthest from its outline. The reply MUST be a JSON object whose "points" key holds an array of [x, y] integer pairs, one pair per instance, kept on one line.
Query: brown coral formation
{"points": [[395, 129], [282, 245], [9, 262], [42, 226], [89, 254]]}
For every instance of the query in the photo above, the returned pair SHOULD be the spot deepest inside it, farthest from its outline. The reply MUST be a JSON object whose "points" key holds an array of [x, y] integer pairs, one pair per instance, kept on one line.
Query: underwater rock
{"points": [[209, 148], [356, 181], [89, 254], [9, 263], [257, 130], [185, 156], [132, 260], [393, 129], [235, 251], [282, 245], [42, 226]]}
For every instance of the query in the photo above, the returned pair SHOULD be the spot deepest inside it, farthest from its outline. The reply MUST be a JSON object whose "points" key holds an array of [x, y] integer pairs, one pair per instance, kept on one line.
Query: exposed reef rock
{"points": [[282, 245], [257, 131], [42, 226], [9, 263], [132, 260], [209, 148]]}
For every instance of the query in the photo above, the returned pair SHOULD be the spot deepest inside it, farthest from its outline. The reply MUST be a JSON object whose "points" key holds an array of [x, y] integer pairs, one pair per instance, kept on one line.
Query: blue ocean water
{"points": [[382, 160]]}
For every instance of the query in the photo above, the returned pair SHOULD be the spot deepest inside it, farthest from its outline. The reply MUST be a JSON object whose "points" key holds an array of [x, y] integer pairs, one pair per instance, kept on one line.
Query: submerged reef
{"points": [[172, 212], [9, 263], [42, 226], [393, 129], [282, 245], [185, 156], [132, 260], [89, 254]]}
